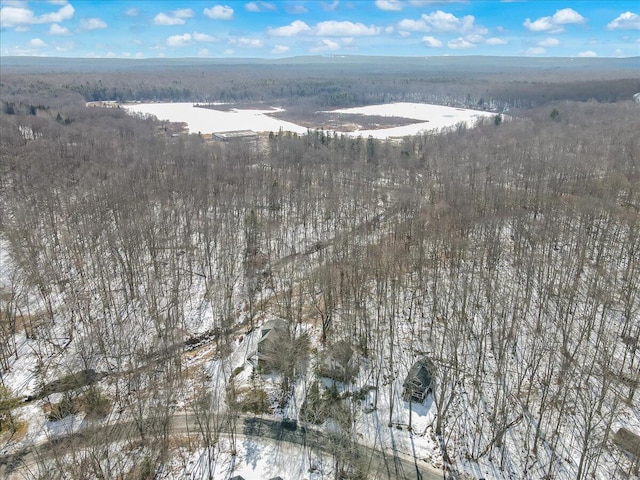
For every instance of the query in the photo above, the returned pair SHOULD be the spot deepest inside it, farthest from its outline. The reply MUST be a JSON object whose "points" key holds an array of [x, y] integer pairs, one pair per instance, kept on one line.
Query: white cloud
{"points": [[330, 6], [333, 28], [549, 42], [92, 24], [188, 39], [13, 16], [203, 52], [535, 51], [245, 42], [37, 42], [329, 28], [21, 17], [294, 28], [279, 49], [296, 9], [543, 24], [496, 41], [410, 25], [65, 13], [182, 13], [260, 7], [174, 17], [625, 21], [474, 38], [588, 54], [219, 12], [404, 33], [389, 5], [331, 45], [431, 42], [132, 12], [203, 37], [565, 16], [66, 47], [619, 52], [442, 22], [459, 44], [139, 55], [164, 19], [229, 51], [326, 45], [56, 29], [58, 2], [423, 3], [179, 40]]}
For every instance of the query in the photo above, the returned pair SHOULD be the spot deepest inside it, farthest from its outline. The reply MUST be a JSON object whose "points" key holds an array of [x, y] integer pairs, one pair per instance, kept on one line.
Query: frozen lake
{"points": [[204, 120]]}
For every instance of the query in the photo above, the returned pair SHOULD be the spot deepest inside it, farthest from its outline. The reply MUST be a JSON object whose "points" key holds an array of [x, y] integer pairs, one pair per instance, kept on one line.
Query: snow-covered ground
{"points": [[432, 117], [255, 459], [204, 120]]}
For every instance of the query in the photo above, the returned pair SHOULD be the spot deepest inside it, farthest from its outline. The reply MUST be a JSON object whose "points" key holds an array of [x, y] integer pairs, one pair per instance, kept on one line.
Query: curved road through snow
{"points": [[379, 464]]}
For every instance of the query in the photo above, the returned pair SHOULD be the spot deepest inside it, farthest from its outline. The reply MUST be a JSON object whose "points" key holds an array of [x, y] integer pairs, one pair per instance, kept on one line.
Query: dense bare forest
{"points": [[135, 265]]}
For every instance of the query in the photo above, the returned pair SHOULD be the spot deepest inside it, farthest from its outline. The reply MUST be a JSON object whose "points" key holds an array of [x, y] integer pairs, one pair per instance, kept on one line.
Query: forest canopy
{"points": [[136, 265]]}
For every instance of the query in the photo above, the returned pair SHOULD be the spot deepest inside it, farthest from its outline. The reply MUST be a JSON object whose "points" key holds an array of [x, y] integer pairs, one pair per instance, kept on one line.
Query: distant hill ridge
{"points": [[422, 63]]}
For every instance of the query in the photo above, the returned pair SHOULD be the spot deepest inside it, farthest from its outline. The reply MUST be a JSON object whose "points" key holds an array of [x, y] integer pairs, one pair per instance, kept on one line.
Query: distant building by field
{"points": [[636, 97], [173, 129], [237, 136], [104, 104]]}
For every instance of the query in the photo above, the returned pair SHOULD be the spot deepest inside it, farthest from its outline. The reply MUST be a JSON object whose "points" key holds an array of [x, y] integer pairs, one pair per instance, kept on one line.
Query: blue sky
{"points": [[270, 28]]}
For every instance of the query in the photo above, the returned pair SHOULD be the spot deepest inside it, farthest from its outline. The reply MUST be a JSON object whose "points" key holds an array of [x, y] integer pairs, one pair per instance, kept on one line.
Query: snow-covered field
{"points": [[432, 117], [204, 120]]}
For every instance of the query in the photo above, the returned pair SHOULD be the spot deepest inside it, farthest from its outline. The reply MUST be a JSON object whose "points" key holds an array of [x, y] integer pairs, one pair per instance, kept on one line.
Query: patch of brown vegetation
{"points": [[344, 122], [22, 322], [17, 433], [227, 107]]}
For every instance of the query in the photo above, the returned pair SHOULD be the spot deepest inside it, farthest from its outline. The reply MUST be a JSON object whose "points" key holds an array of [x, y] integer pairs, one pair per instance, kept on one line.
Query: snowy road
{"points": [[380, 465]]}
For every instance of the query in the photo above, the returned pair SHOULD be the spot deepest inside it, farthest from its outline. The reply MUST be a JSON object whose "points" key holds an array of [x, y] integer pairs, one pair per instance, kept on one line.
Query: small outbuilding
{"points": [[628, 441], [338, 362], [237, 136], [419, 381]]}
